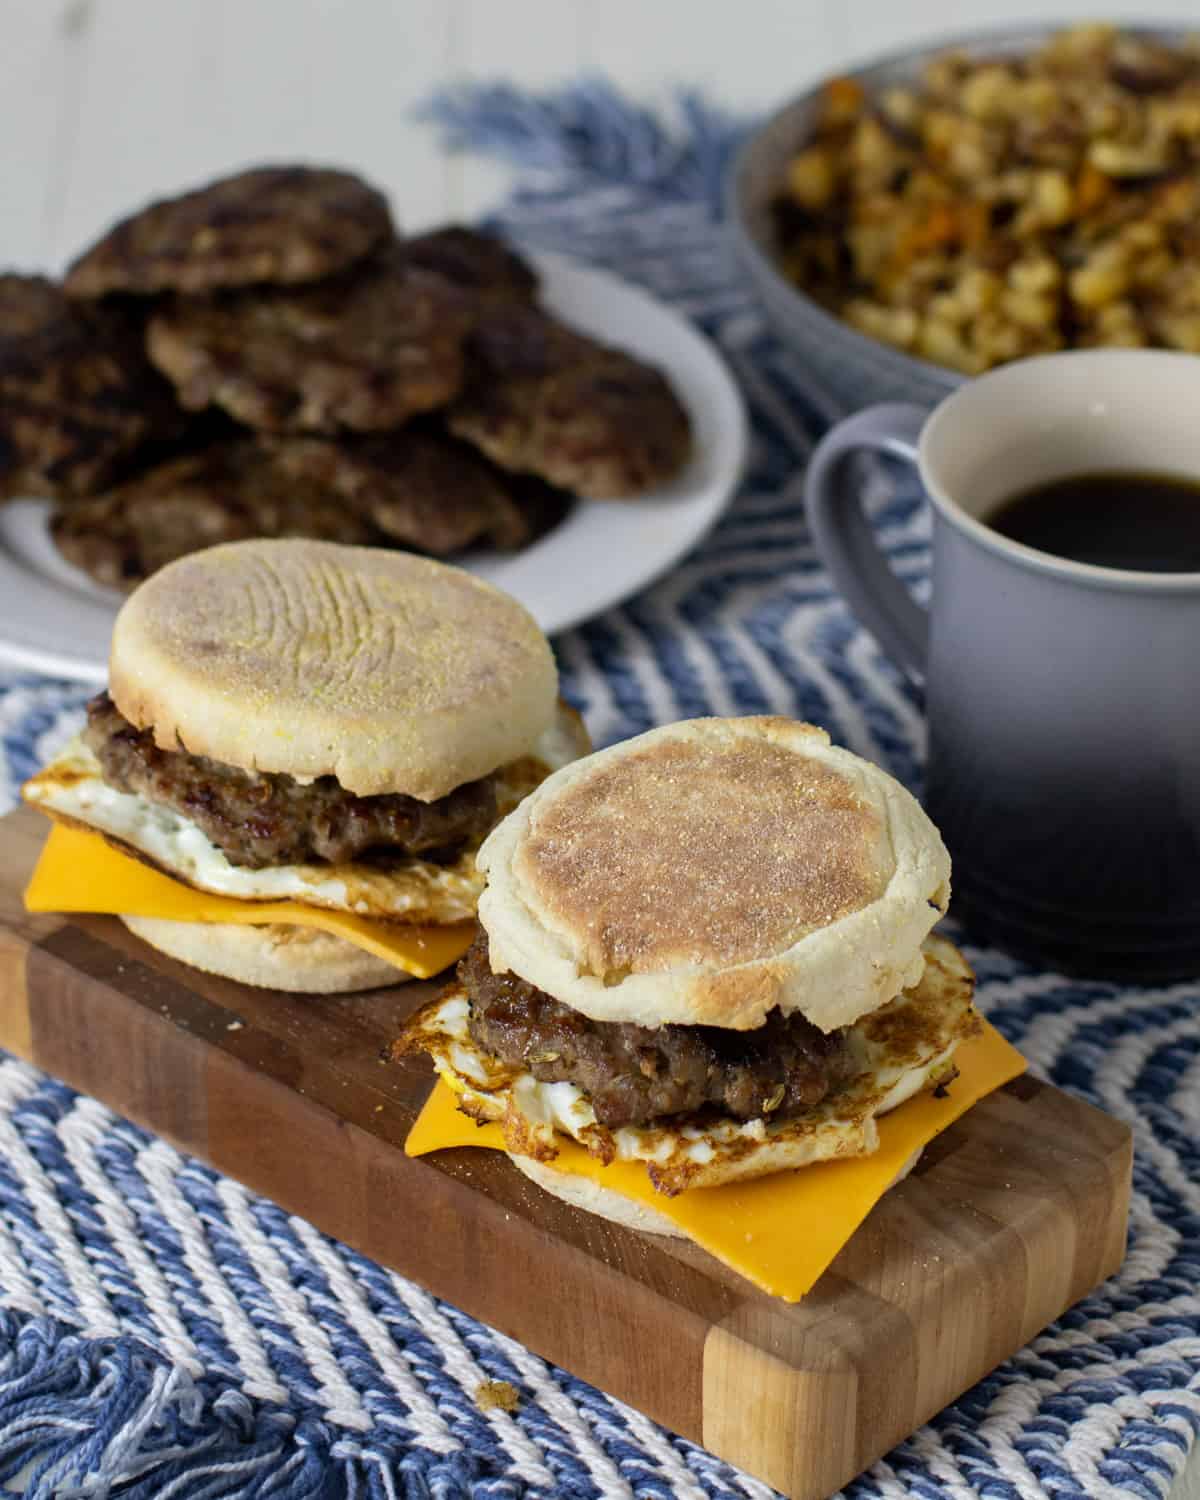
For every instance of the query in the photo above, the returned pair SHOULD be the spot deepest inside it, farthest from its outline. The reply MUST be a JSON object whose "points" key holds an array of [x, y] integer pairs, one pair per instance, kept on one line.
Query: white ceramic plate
{"points": [[54, 619]]}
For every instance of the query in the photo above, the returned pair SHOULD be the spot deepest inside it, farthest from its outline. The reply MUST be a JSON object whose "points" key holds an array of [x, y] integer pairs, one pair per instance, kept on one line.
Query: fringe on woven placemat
{"points": [[86, 1418], [589, 131]]}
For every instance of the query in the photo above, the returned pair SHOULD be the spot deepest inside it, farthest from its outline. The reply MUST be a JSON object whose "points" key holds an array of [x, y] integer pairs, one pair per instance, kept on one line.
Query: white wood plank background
{"points": [[105, 103]]}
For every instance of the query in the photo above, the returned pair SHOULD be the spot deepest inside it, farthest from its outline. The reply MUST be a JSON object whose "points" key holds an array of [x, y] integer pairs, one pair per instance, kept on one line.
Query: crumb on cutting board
{"points": [[491, 1395]]}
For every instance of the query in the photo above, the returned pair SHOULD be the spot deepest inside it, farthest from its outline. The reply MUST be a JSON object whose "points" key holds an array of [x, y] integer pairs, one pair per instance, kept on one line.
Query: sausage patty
{"points": [[227, 492], [260, 819], [541, 398], [283, 224], [634, 1075], [78, 398], [363, 351]]}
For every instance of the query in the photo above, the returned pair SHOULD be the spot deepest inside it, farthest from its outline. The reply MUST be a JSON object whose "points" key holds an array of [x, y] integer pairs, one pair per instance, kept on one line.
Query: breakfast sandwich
{"points": [[333, 727], [705, 952]]}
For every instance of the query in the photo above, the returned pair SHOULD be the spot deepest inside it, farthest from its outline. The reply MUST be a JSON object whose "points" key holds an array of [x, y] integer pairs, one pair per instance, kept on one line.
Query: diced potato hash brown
{"points": [[1008, 207]]}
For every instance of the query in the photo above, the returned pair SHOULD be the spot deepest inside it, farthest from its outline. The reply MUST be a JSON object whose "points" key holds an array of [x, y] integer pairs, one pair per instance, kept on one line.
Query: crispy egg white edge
{"points": [[178, 845], [564, 1107]]}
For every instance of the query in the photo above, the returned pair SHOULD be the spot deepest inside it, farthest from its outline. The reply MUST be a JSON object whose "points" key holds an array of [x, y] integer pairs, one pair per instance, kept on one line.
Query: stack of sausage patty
{"points": [[268, 357]]}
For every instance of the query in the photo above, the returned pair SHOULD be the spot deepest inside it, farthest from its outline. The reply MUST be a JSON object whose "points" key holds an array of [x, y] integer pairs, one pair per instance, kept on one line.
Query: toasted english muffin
{"points": [[275, 956], [391, 672], [711, 871]]}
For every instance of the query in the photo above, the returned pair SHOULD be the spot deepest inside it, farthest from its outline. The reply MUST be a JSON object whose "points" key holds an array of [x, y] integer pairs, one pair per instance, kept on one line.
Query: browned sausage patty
{"points": [[364, 351], [542, 398], [283, 224], [229, 492], [77, 396], [474, 261], [634, 1075], [419, 486], [416, 488], [261, 819]]}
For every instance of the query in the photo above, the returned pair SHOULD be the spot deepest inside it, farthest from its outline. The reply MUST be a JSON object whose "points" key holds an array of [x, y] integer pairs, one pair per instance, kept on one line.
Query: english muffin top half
{"points": [[711, 871]]}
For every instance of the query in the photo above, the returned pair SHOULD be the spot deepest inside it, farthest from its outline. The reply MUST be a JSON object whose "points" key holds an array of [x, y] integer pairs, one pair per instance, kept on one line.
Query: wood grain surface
{"points": [[1013, 1214]]}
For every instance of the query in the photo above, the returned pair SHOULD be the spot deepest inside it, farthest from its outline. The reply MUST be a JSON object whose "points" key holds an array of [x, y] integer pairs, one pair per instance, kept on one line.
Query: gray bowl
{"points": [[854, 369]]}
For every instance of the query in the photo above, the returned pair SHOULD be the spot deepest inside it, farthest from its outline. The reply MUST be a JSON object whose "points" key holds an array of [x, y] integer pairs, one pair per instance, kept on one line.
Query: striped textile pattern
{"points": [[164, 1332]]}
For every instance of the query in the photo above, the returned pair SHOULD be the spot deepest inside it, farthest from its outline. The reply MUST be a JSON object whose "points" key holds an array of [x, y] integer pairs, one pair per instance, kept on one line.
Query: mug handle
{"points": [[844, 537]]}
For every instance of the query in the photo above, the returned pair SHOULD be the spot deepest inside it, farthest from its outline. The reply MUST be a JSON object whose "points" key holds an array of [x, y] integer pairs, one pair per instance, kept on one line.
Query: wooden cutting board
{"points": [[1011, 1216]]}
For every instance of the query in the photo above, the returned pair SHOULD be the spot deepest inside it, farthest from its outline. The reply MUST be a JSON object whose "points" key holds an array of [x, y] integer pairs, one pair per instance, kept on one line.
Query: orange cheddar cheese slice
{"points": [[779, 1232], [79, 872]]}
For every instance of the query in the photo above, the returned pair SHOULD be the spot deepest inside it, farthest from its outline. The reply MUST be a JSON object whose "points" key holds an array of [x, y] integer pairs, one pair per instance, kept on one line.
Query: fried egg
{"points": [[72, 789], [899, 1050]]}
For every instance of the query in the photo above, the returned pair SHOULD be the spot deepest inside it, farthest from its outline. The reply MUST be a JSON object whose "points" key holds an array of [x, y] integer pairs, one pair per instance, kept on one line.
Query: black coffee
{"points": [[1147, 523]]}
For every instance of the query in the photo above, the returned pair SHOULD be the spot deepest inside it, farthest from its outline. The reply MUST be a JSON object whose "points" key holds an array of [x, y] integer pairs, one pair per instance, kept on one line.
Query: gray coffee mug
{"points": [[1064, 724]]}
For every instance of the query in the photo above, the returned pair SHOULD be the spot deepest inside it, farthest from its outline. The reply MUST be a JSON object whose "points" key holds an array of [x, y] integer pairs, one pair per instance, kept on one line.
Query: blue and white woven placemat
{"points": [[165, 1333]]}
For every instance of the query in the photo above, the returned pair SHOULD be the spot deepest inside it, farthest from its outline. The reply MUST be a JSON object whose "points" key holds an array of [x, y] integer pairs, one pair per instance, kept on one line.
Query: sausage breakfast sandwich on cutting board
{"points": [[705, 958], [301, 747]]}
